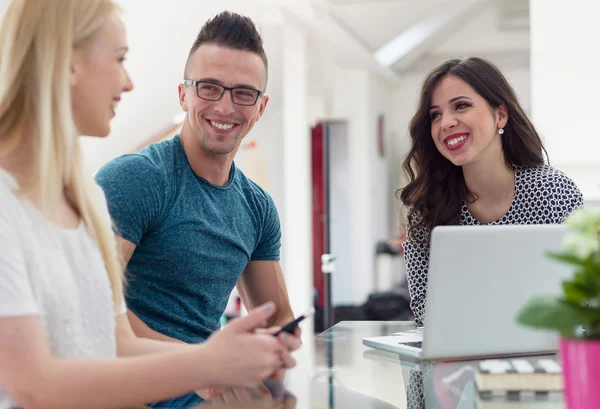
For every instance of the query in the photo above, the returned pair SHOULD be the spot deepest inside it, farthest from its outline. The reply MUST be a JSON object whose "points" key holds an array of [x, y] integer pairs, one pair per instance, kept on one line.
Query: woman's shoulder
{"points": [[8, 194], [544, 177], [15, 220], [547, 192]]}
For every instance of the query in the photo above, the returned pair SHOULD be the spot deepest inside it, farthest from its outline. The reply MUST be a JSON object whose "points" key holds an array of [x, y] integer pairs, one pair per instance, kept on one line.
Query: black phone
{"points": [[289, 328]]}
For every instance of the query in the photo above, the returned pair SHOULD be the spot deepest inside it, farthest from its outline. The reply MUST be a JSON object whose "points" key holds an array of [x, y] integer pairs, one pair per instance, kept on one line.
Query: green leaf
{"points": [[555, 314], [569, 258], [578, 292]]}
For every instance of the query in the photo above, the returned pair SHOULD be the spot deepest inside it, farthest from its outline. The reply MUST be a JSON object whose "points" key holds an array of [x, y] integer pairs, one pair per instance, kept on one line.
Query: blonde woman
{"points": [[61, 297]]}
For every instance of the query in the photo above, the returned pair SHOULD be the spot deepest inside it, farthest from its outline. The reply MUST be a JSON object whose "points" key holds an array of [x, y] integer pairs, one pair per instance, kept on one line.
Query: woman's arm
{"points": [[36, 379], [129, 344], [416, 259]]}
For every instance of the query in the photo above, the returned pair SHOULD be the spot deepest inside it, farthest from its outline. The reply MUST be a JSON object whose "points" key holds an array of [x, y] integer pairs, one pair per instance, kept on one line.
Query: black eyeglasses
{"points": [[214, 92]]}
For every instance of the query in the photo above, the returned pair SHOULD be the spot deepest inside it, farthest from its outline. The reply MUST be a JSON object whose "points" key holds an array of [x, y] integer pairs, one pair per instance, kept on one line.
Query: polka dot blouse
{"points": [[543, 195]]}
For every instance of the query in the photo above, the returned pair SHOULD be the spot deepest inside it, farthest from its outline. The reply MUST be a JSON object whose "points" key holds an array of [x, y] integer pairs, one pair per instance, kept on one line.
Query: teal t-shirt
{"points": [[193, 238]]}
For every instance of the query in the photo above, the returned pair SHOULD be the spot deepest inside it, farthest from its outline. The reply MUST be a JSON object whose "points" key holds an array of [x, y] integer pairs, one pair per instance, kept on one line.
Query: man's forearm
{"points": [[281, 319], [142, 330]]}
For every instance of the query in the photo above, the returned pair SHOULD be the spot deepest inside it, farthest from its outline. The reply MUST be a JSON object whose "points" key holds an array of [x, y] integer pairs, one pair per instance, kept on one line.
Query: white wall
{"points": [[566, 86], [296, 155], [358, 98], [404, 104], [267, 132], [484, 34], [381, 189], [341, 195], [351, 102]]}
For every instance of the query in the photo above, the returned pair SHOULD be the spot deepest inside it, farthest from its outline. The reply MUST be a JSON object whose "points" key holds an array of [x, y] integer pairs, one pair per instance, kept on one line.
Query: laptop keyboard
{"points": [[412, 344]]}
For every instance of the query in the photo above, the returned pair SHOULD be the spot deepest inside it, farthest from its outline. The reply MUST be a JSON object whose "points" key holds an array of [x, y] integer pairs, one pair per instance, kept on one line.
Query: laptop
{"points": [[479, 278]]}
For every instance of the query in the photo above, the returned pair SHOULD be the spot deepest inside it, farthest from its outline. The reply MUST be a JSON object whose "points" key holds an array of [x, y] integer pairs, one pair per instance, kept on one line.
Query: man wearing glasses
{"points": [[190, 225]]}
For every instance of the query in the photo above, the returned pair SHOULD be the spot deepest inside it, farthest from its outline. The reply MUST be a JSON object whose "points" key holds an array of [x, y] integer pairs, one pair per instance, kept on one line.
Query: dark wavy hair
{"points": [[436, 188]]}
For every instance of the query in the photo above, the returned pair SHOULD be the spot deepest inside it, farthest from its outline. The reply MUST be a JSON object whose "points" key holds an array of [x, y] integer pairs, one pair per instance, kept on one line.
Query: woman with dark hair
{"points": [[475, 159]]}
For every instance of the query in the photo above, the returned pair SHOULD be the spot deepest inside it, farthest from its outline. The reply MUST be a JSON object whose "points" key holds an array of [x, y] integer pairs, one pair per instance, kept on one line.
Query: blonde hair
{"points": [[37, 38]]}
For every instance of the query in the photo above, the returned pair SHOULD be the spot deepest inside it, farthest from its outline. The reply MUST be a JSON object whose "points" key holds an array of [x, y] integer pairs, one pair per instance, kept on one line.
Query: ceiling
{"points": [[493, 29]]}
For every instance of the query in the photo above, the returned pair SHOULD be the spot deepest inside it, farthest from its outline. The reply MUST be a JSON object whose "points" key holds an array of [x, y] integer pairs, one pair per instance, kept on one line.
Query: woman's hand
{"points": [[245, 357]]}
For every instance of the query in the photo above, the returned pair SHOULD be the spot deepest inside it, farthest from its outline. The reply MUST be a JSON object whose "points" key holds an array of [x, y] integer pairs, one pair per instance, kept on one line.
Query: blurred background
{"points": [[344, 78]]}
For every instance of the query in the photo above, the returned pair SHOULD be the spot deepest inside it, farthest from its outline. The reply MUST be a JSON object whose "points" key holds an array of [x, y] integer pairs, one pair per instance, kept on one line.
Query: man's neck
{"points": [[213, 168], [490, 180]]}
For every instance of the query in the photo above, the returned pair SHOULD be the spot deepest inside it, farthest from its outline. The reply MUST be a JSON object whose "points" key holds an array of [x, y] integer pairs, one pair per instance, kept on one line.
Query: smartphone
{"points": [[289, 328]]}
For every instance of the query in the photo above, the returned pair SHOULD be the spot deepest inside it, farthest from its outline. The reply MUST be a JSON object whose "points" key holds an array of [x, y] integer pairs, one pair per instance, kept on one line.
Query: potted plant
{"points": [[575, 313]]}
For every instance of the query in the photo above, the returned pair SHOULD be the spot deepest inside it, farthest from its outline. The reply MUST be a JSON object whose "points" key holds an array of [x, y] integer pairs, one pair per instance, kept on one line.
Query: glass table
{"points": [[335, 370], [342, 360]]}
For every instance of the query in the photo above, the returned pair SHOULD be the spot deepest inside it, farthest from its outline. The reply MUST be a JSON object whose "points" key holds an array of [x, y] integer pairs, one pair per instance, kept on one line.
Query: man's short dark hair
{"points": [[230, 30]]}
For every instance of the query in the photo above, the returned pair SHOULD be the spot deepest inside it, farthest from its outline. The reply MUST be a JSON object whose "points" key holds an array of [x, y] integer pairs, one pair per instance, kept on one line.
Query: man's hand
{"points": [[251, 357], [291, 342], [228, 395]]}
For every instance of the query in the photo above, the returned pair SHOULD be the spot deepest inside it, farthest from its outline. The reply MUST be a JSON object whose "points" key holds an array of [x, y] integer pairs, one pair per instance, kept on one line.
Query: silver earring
{"points": [[501, 131]]}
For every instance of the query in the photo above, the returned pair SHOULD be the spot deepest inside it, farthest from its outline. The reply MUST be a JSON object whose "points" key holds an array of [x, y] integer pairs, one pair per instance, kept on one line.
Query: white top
{"points": [[57, 274]]}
